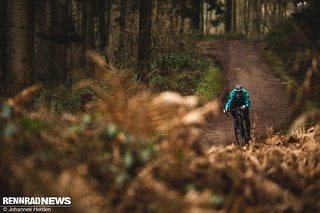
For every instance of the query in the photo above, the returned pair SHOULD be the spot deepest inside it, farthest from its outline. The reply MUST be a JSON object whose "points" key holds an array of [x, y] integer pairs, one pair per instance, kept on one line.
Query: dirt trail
{"points": [[243, 63]]}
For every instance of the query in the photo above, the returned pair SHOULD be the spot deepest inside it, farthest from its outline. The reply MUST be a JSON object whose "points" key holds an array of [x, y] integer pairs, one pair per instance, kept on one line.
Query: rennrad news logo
{"points": [[43, 201], [34, 204]]}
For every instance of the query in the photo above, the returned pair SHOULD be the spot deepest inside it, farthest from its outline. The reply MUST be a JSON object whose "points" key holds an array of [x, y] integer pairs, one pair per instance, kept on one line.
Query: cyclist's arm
{"points": [[247, 99], [230, 99]]}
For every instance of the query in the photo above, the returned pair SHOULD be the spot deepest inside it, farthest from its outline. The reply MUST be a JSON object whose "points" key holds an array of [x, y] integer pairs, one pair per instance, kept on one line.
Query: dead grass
{"points": [[136, 151]]}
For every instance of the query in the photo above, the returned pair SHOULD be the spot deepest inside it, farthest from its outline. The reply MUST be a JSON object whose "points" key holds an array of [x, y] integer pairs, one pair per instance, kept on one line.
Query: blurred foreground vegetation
{"points": [[132, 149]]}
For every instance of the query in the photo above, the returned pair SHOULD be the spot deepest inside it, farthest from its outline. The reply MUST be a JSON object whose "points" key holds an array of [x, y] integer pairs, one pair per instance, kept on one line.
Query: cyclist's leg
{"points": [[233, 113], [247, 120]]}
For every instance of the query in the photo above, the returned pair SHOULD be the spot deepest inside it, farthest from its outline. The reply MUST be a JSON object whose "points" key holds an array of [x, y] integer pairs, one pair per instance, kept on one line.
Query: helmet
{"points": [[238, 88]]}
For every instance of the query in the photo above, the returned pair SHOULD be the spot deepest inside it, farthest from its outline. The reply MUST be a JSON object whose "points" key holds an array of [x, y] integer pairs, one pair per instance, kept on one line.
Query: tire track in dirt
{"points": [[243, 63]]}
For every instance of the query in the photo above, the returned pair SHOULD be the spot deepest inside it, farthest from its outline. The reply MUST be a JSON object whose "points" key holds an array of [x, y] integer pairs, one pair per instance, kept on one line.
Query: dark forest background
{"points": [[46, 41]]}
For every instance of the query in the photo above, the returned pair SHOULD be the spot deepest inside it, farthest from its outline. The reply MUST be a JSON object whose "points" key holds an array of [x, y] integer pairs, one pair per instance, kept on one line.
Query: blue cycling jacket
{"points": [[234, 102]]}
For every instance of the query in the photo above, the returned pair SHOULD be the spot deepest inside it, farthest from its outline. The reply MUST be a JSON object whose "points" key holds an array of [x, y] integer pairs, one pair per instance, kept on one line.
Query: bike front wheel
{"points": [[240, 133]]}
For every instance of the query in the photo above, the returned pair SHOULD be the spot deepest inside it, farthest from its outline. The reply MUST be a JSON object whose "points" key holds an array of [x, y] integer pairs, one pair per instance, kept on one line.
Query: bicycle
{"points": [[240, 130]]}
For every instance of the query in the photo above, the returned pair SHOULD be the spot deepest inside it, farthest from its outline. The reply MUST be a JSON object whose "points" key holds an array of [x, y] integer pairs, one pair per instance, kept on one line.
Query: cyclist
{"points": [[239, 97]]}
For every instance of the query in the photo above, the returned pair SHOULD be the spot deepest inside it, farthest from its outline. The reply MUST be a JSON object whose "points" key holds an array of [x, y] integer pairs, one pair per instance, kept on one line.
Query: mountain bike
{"points": [[240, 130]]}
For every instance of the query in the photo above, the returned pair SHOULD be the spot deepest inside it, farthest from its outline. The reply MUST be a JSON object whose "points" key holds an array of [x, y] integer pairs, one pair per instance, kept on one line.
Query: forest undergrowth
{"points": [[134, 150]]}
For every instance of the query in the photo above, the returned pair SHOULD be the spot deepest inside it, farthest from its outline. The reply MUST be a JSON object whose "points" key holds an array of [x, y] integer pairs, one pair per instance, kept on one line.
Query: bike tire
{"points": [[240, 132], [244, 135], [236, 136], [237, 133]]}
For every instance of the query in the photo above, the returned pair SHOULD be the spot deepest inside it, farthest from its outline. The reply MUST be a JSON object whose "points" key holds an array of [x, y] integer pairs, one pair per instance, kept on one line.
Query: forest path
{"points": [[243, 63]]}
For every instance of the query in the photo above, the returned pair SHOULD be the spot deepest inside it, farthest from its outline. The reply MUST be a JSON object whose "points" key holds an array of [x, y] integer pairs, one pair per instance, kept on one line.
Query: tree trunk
{"points": [[245, 17], [3, 46], [102, 26], [57, 60], [42, 50], [31, 26], [133, 36], [83, 59], [234, 17], [66, 76], [108, 27], [228, 16], [201, 14], [265, 18], [257, 21], [249, 17], [122, 34], [207, 19], [91, 24], [18, 44], [144, 40], [196, 15]]}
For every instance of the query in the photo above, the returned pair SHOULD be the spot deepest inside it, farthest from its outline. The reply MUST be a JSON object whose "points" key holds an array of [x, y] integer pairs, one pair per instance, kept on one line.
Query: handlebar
{"points": [[233, 110]]}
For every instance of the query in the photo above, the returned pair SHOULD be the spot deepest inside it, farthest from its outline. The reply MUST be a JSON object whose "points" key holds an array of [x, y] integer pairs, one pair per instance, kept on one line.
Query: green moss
{"points": [[280, 71], [188, 74], [210, 85]]}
